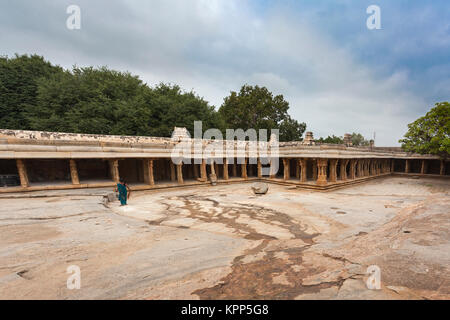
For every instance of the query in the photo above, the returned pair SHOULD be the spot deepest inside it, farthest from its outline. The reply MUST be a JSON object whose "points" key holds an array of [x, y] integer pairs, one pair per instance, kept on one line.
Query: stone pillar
{"points": [[407, 166], [114, 167], [74, 172], [442, 170], [259, 168], [358, 168], [352, 171], [22, 170], [151, 175], [172, 171], [225, 169], [244, 169], [322, 171], [234, 168], [303, 170], [180, 173], [392, 165], [203, 175], [423, 169], [273, 174], [333, 169], [343, 169], [297, 169], [148, 172], [286, 168]]}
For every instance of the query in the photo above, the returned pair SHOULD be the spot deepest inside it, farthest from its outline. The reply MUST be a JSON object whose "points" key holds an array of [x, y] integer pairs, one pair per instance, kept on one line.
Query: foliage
{"points": [[331, 139], [359, 140], [18, 87], [256, 107], [430, 134], [35, 95]]}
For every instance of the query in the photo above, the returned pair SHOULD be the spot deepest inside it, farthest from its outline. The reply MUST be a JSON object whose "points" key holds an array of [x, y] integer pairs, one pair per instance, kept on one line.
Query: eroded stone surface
{"points": [[222, 242]]}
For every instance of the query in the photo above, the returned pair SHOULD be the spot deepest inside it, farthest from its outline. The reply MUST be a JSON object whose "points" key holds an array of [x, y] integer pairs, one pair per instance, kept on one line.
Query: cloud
{"points": [[325, 67]]}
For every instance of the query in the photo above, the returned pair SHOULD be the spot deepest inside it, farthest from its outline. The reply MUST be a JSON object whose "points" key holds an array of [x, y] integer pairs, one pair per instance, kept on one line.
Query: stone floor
{"points": [[224, 242]]}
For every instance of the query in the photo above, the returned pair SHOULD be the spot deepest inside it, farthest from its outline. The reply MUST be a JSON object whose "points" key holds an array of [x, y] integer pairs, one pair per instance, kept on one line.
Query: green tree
{"points": [[19, 78], [256, 107], [103, 101], [430, 134], [359, 140], [331, 139], [172, 107]]}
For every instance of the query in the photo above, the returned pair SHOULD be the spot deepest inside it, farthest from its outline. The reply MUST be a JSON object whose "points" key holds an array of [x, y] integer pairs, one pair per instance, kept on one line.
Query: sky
{"points": [[337, 75]]}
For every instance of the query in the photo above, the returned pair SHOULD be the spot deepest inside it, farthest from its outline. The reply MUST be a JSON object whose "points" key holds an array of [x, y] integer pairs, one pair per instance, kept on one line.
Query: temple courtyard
{"points": [[225, 242]]}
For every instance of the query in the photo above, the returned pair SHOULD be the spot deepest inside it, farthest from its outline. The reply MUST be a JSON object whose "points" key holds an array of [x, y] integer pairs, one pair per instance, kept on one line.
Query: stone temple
{"points": [[33, 160], [267, 220]]}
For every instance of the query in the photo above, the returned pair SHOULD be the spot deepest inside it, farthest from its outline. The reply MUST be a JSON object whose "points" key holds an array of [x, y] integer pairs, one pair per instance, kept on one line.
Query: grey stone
{"points": [[260, 188]]}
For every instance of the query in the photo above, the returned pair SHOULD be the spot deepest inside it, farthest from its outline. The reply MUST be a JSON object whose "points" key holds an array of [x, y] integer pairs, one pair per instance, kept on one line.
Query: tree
{"points": [[19, 78], [255, 107], [359, 140], [172, 107], [103, 101], [430, 134], [331, 139]]}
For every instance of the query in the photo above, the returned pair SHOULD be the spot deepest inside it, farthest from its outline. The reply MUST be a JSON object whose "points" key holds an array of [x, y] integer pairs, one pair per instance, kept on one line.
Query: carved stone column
{"points": [[333, 170], [303, 168], [259, 168], [273, 174], [180, 173], [297, 169], [234, 168], [114, 167], [148, 172], [408, 166], [203, 174], [358, 168], [424, 167], [322, 171], [22, 170], [286, 168], [225, 169], [392, 165], [244, 169], [352, 171], [442, 169], [343, 169], [74, 172]]}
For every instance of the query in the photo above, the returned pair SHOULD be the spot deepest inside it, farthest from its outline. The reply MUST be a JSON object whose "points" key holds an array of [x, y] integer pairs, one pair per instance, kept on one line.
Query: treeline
{"points": [[357, 140], [37, 95]]}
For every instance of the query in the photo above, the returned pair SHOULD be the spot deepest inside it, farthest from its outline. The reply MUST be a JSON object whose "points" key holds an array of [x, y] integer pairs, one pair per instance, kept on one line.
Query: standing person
{"points": [[124, 192]]}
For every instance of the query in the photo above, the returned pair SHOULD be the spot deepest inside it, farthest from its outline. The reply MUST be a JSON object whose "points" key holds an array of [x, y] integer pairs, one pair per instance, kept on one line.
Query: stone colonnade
{"points": [[321, 171]]}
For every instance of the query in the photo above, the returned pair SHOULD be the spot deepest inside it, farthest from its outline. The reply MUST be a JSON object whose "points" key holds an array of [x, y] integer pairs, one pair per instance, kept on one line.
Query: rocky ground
{"points": [[225, 242]]}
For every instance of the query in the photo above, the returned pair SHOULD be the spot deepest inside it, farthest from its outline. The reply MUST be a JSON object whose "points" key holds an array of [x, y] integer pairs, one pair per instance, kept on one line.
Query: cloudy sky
{"points": [[337, 75]]}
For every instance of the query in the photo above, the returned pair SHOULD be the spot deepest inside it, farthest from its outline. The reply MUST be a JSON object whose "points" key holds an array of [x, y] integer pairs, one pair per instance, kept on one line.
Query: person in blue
{"points": [[124, 192]]}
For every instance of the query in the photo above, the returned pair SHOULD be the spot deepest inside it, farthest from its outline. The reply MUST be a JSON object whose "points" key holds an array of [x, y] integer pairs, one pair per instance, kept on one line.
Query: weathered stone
{"points": [[260, 188]]}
